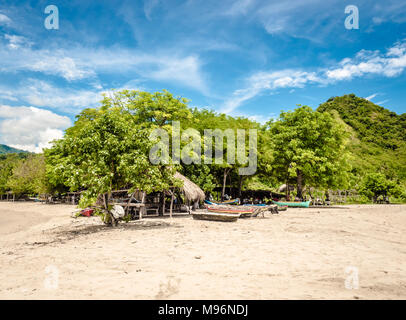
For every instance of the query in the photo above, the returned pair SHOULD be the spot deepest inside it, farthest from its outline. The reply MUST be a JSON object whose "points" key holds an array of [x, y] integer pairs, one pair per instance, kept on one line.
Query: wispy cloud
{"points": [[382, 102], [85, 63], [149, 6], [44, 94], [240, 7], [4, 19], [371, 96], [389, 64]]}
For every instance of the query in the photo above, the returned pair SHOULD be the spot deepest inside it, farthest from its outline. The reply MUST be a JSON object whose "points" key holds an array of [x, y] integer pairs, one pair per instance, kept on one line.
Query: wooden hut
{"points": [[192, 192]]}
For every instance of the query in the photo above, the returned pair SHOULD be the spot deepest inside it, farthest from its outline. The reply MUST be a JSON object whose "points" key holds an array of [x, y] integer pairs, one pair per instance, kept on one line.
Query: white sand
{"points": [[298, 254]]}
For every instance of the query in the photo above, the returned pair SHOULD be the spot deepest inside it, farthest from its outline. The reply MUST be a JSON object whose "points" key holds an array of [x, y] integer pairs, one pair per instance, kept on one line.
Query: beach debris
{"points": [[86, 212], [118, 211]]}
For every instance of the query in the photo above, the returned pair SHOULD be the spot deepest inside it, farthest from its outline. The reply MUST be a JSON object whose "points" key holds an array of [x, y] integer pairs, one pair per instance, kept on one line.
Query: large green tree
{"points": [[308, 147], [220, 173], [108, 148]]}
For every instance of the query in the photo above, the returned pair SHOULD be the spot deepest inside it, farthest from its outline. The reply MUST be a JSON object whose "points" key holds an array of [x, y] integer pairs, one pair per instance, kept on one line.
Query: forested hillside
{"points": [[378, 136], [6, 149]]}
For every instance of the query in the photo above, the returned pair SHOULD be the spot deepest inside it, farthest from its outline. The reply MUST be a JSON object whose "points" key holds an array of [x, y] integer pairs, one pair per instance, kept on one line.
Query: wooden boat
{"points": [[233, 201], [216, 216], [304, 204], [244, 211], [282, 208], [231, 209]]}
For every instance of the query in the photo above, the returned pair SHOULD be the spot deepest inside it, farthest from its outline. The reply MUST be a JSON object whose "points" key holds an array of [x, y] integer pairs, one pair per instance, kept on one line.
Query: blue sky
{"points": [[246, 57]]}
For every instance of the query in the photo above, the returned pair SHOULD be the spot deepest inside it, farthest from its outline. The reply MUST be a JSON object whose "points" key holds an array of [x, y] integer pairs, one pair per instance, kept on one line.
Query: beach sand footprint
{"points": [[168, 289]]}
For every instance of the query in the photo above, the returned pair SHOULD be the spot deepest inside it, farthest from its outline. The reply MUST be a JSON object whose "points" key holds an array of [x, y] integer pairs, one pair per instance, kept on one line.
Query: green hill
{"points": [[6, 149], [378, 135]]}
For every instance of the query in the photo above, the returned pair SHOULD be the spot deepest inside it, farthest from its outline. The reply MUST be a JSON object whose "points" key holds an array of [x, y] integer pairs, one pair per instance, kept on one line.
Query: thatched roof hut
{"points": [[282, 188], [191, 190]]}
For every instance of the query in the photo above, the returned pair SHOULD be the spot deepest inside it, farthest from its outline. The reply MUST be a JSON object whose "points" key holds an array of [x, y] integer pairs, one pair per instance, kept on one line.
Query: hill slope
{"points": [[378, 136], [6, 149]]}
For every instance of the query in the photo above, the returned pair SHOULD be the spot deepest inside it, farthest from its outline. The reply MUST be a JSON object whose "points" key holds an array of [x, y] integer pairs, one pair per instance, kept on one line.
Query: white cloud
{"points": [[382, 102], [43, 94], [63, 66], [4, 19], [270, 81], [240, 7], [371, 96], [388, 64], [30, 128], [83, 63], [16, 42], [149, 6]]}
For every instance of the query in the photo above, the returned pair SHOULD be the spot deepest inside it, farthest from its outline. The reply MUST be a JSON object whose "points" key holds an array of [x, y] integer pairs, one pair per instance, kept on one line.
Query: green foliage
{"points": [[6, 149], [378, 136], [28, 176], [348, 142], [308, 146], [210, 176], [108, 148], [375, 185], [7, 164]]}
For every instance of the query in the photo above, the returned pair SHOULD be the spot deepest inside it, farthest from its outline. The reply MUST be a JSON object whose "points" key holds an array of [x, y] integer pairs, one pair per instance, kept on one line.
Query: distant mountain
{"points": [[6, 149], [378, 135]]}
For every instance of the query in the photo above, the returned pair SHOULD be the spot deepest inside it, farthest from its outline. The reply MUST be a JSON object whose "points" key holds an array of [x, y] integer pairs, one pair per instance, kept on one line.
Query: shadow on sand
{"points": [[63, 234]]}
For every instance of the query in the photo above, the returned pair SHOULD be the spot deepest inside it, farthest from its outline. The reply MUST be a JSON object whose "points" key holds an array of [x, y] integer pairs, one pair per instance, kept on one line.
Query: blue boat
{"points": [[304, 204]]}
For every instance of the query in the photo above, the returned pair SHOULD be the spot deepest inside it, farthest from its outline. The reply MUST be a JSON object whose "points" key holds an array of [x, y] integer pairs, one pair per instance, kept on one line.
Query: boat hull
{"points": [[233, 201], [293, 204], [231, 209], [216, 216]]}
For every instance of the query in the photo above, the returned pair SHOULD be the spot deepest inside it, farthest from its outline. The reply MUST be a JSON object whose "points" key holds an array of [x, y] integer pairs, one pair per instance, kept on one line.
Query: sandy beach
{"points": [[357, 252]]}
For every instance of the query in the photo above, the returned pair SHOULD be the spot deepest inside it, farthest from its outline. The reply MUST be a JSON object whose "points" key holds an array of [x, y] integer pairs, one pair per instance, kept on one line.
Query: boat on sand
{"points": [[232, 201], [304, 204], [245, 211], [216, 216]]}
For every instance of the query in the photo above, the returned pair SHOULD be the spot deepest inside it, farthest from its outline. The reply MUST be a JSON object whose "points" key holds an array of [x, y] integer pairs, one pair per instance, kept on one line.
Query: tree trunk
{"points": [[170, 210], [162, 204], [240, 186], [106, 198], [226, 171], [299, 184]]}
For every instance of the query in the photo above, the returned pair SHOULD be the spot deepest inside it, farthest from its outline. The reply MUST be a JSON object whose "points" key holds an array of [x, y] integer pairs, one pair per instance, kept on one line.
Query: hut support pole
{"points": [[128, 203], [170, 210], [143, 209]]}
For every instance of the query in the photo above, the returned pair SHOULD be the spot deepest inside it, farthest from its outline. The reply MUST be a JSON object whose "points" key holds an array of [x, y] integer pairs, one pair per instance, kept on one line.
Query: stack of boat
{"points": [[228, 213]]}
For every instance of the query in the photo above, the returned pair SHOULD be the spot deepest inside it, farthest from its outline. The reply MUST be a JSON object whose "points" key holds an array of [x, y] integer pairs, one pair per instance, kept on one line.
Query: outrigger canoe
{"points": [[304, 204]]}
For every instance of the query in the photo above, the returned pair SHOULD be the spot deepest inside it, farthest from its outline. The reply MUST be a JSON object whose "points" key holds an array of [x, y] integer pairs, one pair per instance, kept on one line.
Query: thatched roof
{"points": [[191, 190], [282, 188]]}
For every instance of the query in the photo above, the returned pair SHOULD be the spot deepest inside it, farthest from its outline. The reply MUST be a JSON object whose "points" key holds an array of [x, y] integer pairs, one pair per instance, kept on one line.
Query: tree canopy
{"points": [[348, 142], [308, 146]]}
